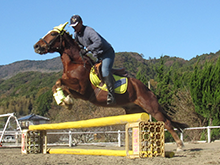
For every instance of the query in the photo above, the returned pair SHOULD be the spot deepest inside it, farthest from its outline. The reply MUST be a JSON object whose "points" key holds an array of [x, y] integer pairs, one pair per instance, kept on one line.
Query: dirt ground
{"points": [[200, 153]]}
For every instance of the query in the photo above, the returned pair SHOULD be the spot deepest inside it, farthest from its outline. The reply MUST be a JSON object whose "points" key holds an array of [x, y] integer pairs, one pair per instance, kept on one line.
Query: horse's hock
{"points": [[145, 138]]}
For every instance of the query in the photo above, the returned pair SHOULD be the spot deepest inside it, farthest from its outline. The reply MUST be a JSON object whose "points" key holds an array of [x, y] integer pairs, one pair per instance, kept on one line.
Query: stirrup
{"points": [[110, 99]]}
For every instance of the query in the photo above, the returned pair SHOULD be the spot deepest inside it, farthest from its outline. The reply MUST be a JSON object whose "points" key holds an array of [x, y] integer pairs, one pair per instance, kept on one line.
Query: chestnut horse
{"points": [[75, 81]]}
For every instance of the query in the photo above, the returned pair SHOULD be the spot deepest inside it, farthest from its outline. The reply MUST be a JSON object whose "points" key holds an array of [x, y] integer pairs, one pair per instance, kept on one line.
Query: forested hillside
{"points": [[52, 65], [187, 90]]}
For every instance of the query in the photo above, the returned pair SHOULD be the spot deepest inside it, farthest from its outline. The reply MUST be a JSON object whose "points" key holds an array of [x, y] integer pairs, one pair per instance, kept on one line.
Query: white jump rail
{"points": [[119, 132]]}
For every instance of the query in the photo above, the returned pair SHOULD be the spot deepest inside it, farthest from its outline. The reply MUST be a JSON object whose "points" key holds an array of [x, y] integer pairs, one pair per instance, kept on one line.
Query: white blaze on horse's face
{"points": [[51, 35], [50, 32], [44, 45], [47, 43]]}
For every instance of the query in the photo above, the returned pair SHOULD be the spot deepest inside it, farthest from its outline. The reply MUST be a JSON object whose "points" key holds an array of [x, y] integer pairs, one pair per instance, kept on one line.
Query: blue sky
{"points": [[181, 28]]}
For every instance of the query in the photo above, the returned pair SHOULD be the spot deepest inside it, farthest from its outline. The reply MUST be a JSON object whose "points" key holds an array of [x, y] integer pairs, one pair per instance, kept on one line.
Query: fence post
{"points": [[16, 138], [209, 134], [181, 136], [70, 139], [149, 114], [119, 138]]}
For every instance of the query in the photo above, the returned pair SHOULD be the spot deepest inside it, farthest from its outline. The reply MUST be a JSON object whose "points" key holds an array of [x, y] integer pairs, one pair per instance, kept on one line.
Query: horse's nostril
{"points": [[36, 46]]}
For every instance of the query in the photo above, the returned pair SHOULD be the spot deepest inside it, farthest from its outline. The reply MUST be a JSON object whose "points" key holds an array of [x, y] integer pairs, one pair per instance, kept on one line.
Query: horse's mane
{"points": [[72, 40]]}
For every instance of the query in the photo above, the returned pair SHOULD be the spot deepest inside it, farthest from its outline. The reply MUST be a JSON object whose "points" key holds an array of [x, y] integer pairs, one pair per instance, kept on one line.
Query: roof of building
{"points": [[33, 117]]}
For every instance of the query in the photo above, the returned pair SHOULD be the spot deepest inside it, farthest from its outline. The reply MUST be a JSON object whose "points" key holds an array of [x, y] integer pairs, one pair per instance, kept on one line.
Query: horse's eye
{"points": [[54, 34]]}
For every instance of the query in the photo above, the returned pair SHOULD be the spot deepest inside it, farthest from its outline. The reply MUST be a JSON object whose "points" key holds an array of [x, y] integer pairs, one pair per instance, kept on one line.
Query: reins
{"points": [[49, 45], [60, 49], [83, 60]]}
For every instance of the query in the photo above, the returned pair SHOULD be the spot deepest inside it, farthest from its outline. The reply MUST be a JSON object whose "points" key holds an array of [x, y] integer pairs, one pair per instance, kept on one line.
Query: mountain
{"points": [[131, 61], [46, 66]]}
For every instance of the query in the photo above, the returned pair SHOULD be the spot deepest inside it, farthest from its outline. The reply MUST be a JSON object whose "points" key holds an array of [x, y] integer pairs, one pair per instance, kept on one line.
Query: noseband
{"points": [[49, 45]]}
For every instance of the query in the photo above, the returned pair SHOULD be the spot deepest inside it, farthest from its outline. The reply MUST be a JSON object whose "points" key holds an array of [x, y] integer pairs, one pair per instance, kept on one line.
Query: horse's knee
{"points": [[54, 89], [58, 83]]}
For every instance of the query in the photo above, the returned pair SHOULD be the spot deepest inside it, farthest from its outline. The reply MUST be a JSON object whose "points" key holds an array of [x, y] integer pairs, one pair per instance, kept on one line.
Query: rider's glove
{"points": [[83, 52]]}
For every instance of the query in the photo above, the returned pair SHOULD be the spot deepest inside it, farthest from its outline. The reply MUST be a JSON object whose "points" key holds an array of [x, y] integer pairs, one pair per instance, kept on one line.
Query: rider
{"points": [[87, 37]]}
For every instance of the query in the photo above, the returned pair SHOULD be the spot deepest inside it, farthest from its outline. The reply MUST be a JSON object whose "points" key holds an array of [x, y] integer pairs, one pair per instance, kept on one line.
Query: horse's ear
{"points": [[64, 25], [61, 27]]}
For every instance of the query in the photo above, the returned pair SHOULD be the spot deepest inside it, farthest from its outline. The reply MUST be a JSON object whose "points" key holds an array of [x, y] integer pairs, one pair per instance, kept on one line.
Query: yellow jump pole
{"points": [[97, 122], [97, 152]]}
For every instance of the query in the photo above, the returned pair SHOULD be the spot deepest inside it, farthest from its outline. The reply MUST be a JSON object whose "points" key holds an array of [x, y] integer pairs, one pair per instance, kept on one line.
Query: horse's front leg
{"points": [[62, 95]]}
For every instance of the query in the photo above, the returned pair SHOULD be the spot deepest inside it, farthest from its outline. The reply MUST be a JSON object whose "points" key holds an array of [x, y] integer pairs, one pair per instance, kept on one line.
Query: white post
{"points": [[209, 134], [119, 138], [1, 137], [149, 114], [181, 136], [70, 139], [16, 138]]}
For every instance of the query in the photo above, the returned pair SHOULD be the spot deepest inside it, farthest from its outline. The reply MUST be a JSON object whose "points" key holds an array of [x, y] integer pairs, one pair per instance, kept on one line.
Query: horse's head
{"points": [[52, 41], [58, 40]]}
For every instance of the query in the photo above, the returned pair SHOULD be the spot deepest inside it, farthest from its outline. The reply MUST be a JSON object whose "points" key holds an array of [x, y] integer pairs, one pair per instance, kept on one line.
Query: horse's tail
{"points": [[177, 125]]}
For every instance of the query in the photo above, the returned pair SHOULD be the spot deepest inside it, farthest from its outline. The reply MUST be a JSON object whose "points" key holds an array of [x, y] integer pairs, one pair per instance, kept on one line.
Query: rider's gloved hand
{"points": [[83, 52], [98, 60]]}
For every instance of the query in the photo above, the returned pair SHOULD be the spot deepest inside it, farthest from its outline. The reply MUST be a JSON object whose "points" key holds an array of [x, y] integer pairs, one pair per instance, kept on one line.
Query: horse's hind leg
{"points": [[151, 106], [168, 125]]}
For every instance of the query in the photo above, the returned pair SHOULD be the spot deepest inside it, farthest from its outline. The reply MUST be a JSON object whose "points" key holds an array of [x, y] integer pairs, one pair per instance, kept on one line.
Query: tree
{"points": [[164, 90], [142, 74], [43, 103], [205, 92]]}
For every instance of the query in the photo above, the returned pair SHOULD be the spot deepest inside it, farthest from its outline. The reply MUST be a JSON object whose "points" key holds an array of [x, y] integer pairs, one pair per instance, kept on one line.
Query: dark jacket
{"points": [[92, 40]]}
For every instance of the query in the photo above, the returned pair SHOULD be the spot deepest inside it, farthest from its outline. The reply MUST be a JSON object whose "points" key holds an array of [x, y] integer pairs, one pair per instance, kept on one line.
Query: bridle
{"points": [[60, 34], [49, 45]]}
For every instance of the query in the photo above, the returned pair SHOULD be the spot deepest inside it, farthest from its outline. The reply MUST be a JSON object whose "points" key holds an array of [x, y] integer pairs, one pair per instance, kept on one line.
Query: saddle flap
{"points": [[120, 86]]}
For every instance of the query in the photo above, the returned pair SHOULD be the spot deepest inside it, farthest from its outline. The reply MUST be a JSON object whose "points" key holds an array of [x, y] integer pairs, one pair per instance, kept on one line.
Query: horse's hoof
{"points": [[68, 100], [179, 149], [69, 107]]}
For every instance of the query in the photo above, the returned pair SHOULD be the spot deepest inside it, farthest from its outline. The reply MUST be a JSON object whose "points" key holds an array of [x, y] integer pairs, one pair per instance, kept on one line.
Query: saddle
{"points": [[119, 75], [119, 71]]}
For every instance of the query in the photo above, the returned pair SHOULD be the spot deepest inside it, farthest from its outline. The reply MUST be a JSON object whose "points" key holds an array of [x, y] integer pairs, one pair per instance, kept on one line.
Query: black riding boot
{"points": [[109, 80]]}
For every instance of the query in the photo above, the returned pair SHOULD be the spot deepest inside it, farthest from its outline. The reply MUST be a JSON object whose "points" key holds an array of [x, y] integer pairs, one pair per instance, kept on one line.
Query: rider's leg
{"points": [[107, 63], [110, 85]]}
